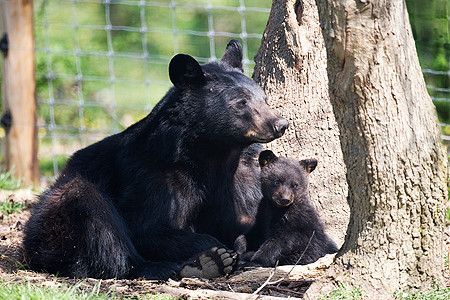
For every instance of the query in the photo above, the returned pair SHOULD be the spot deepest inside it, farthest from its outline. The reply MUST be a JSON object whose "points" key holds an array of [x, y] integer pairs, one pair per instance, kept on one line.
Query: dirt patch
{"points": [[284, 282], [238, 286]]}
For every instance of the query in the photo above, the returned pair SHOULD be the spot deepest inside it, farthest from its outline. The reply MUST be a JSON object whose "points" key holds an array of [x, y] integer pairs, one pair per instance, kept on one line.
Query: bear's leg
{"points": [[155, 270], [76, 231], [268, 254], [200, 254]]}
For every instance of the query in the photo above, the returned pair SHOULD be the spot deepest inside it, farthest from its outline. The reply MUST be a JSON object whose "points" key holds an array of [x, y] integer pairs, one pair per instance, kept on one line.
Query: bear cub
{"points": [[287, 228]]}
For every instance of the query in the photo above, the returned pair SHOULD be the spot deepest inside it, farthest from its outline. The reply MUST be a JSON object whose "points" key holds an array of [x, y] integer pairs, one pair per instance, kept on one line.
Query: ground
{"points": [[232, 287]]}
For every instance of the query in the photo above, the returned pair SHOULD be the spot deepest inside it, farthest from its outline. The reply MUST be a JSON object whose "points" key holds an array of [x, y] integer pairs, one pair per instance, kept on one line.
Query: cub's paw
{"points": [[212, 263]]}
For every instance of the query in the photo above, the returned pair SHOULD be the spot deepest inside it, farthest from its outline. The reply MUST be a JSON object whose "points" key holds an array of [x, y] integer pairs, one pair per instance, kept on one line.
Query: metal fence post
{"points": [[18, 86]]}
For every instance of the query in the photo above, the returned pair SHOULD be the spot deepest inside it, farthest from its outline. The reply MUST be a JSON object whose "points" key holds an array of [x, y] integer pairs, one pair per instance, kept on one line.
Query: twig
{"points": [[286, 290], [268, 282], [296, 263], [265, 283]]}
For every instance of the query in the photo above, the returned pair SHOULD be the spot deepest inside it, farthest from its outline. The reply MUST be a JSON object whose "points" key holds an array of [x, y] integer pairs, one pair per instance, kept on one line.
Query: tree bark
{"points": [[396, 164], [291, 68]]}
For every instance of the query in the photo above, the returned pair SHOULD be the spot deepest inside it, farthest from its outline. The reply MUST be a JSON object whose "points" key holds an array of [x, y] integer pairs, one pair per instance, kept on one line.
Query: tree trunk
{"points": [[291, 68], [19, 101], [396, 164]]}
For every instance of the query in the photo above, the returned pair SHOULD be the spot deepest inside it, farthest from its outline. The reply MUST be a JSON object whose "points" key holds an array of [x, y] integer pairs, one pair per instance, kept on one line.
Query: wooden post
{"points": [[18, 86]]}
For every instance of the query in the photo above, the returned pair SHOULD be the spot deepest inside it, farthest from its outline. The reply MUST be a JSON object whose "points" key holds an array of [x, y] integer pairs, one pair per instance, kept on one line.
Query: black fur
{"points": [[287, 228], [142, 202]]}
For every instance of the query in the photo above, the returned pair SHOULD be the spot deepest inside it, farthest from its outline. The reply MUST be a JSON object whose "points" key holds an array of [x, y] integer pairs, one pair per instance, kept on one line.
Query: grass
{"points": [[8, 181], [62, 291], [46, 165], [436, 294], [447, 216], [344, 292], [10, 206], [28, 290]]}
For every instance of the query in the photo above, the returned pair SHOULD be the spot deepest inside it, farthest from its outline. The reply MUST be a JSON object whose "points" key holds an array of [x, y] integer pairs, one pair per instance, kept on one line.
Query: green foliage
{"points": [[62, 291], [54, 290], [8, 181], [436, 294], [447, 216], [443, 108], [446, 258], [46, 165], [10, 206], [344, 292], [429, 22]]}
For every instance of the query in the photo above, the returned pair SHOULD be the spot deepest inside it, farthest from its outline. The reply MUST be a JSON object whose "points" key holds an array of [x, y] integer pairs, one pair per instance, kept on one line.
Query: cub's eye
{"points": [[276, 182], [295, 186], [241, 103]]}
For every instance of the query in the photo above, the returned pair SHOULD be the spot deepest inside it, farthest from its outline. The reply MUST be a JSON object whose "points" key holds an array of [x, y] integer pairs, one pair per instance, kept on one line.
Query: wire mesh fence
{"points": [[101, 65]]}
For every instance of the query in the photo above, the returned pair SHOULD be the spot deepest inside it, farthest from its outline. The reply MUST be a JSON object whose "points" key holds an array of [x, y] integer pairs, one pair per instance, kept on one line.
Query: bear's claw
{"points": [[209, 264]]}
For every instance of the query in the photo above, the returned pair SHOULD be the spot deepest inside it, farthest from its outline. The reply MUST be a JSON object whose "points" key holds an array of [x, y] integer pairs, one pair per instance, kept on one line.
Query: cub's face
{"points": [[283, 179]]}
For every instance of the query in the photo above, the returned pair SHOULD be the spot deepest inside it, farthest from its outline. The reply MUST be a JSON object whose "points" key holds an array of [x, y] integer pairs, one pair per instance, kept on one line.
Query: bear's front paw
{"points": [[212, 263]]}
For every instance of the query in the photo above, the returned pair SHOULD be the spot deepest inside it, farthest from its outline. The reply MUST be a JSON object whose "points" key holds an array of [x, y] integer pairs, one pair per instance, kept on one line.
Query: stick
{"points": [[286, 290], [296, 263], [266, 282]]}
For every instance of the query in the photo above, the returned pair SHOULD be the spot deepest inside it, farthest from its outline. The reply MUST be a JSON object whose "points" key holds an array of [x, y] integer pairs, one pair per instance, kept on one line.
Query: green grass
{"points": [[28, 290], [46, 165], [344, 292], [10, 206], [437, 294], [8, 181], [62, 291], [446, 260], [448, 215]]}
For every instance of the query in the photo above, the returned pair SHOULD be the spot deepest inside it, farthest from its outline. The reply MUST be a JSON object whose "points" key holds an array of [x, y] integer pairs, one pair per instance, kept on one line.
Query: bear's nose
{"points": [[283, 201], [280, 126]]}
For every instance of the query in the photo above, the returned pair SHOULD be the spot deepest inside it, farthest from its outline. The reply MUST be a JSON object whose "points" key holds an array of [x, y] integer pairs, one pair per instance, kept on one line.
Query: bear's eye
{"points": [[295, 186], [276, 182], [242, 103]]}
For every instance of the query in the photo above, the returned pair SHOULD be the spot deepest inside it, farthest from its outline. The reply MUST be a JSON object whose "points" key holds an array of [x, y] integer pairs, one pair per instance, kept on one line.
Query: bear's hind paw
{"points": [[212, 263]]}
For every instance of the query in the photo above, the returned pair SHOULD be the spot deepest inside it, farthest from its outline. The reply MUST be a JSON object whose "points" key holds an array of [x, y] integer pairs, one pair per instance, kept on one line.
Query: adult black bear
{"points": [[288, 228], [142, 202]]}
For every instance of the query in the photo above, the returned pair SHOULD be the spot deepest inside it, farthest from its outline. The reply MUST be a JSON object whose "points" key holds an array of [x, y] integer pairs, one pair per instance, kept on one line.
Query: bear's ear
{"points": [[233, 55], [309, 164], [185, 72], [266, 157]]}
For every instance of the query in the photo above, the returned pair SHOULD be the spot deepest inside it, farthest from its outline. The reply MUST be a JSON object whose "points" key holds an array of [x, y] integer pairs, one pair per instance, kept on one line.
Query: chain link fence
{"points": [[101, 65]]}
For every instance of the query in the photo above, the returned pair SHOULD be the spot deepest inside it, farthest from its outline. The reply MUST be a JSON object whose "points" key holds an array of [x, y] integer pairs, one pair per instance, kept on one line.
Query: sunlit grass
{"points": [[8, 181], [344, 292], [63, 291], [10, 206]]}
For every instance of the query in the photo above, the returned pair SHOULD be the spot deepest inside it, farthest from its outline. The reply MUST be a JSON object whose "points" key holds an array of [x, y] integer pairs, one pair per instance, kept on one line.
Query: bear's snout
{"points": [[280, 126], [282, 200]]}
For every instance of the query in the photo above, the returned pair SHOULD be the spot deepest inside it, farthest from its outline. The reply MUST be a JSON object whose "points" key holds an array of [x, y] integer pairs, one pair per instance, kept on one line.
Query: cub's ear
{"points": [[185, 72], [233, 55], [309, 164], [266, 157]]}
